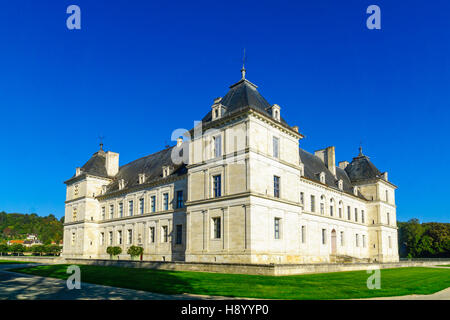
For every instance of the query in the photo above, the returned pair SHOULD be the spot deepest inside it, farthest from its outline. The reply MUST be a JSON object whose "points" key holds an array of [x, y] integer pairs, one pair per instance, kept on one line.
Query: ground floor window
{"points": [[179, 234]]}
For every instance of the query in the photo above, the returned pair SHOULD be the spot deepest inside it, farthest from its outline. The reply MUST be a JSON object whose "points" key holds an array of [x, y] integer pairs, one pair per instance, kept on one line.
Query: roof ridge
{"points": [[149, 155]]}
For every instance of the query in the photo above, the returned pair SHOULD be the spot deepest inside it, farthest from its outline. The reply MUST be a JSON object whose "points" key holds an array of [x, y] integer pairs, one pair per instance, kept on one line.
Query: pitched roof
{"points": [[150, 165], [362, 169], [243, 94], [313, 166], [95, 166]]}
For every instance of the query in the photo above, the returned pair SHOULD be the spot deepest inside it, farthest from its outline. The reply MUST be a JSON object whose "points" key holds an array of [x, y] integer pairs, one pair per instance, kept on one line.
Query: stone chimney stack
{"points": [[343, 164], [328, 157], [112, 163], [179, 141]]}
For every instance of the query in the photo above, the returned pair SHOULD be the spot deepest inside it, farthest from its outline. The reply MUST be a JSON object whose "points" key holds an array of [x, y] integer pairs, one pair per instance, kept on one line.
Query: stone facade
{"points": [[247, 194]]}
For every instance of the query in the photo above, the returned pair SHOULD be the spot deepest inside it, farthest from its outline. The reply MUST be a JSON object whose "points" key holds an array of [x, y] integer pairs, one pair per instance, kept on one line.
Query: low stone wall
{"points": [[255, 269], [35, 259]]}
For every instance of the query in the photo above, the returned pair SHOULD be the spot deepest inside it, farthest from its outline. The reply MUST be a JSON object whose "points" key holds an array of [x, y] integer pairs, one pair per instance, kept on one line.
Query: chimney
{"points": [[77, 171], [112, 163], [384, 176], [328, 157], [295, 128], [343, 164]]}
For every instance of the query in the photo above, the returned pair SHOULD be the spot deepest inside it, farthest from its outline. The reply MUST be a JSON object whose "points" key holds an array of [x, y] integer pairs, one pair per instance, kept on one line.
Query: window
{"points": [[302, 198], [165, 234], [349, 217], [119, 237], [74, 214], [217, 184], [141, 206], [130, 236], [180, 199], [73, 238], [342, 238], [179, 234], [322, 208], [103, 213], [275, 147], [111, 211], [388, 218], [356, 214], [110, 242], [363, 218], [387, 196], [303, 234], [153, 203], [102, 238], [216, 228], [130, 208], [331, 207], [313, 203], [217, 146], [75, 192], [324, 236], [121, 209], [152, 235], [276, 186], [165, 201], [390, 242], [340, 209], [357, 240], [277, 228], [364, 240]]}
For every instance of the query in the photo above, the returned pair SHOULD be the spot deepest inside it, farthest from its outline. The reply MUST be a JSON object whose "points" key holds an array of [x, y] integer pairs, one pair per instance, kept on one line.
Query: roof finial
{"points": [[243, 66], [360, 149], [101, 142]]}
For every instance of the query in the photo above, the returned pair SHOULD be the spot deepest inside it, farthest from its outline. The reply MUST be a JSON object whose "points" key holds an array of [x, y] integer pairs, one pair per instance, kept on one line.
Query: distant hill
{"points": [[18, 225]]}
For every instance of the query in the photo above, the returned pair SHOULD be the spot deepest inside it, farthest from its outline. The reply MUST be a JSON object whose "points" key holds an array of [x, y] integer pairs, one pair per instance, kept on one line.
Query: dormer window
{"points": [[216, 109], [104, 189], [276, 112], [355, 191], [322, 177], [121, 184], [166, 171], [141, 178], [341, 184]]}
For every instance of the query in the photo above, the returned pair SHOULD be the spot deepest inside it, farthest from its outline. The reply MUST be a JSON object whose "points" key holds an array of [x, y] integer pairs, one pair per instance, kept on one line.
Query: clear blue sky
{"points": [[139, 69]]}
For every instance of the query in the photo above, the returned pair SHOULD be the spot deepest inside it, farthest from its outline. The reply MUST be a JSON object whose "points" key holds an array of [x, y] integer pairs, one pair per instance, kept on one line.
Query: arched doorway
{"points": [[333, 242]]}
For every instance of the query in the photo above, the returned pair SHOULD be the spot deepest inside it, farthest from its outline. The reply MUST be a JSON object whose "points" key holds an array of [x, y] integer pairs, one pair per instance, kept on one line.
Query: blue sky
{"points": [[137, 70]]}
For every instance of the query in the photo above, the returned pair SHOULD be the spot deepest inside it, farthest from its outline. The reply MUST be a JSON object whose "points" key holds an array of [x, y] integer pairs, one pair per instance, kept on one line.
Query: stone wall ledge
{"points": [[235, 268]]}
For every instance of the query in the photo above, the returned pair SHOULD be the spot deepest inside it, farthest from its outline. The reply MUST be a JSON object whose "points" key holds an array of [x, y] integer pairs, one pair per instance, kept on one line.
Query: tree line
{"points": [[40, 250], [423, 240], [18, 226]]}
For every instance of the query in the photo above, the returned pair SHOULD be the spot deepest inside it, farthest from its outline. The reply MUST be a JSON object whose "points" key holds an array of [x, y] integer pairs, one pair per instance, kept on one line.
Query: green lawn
{"points": [[445, 265], [340, 285], [12, 262]]}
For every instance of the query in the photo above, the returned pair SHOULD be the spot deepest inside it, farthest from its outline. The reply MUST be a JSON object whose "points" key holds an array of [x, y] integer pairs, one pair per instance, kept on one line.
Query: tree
{"points": [[17, 248], [113, 251], [135, 251], [4, 248]]}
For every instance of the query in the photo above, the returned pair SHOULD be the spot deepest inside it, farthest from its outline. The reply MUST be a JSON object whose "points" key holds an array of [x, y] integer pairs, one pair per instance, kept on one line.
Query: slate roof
{"points": [[96, 165], [242, 95], [313, 166], [362, 169], [150, 165]]}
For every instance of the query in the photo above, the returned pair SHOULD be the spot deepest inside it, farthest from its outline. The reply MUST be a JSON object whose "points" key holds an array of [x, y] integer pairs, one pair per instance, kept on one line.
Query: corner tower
{"points": [[82, 209]]}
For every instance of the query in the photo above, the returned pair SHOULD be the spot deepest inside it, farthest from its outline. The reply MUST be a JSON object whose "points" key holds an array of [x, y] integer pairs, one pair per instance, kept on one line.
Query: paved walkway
{"points": [[440, 295], [17, 286]]}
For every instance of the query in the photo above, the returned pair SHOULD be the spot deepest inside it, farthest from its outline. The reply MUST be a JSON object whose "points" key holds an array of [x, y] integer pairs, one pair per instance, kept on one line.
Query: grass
{"points": [[12, 262], [338, 285], [445, 265]]}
